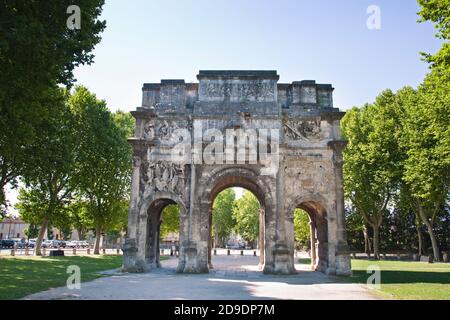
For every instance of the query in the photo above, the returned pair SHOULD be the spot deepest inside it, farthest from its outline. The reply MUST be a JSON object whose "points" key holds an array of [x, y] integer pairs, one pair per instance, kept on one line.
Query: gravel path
{"points": [[233, 277]]}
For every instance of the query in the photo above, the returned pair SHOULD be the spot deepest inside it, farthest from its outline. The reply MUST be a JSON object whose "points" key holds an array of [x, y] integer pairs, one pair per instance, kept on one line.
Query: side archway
{"points": [[318, 211], [150, 218]]}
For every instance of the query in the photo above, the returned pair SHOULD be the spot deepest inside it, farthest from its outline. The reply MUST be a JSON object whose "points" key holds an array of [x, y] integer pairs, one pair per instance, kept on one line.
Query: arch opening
{"points": [[163, 231], [318, 232], [252, 241]]}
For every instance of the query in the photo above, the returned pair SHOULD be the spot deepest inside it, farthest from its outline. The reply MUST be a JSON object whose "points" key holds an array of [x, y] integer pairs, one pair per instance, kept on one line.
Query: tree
{"points": [[37, 52], [372, 159], [301, 229], [246, 215], [222, 216], [50, 169], [104, 159], [438, 12], [32, 231], [78, 217], [170, 220], [427, 139]]}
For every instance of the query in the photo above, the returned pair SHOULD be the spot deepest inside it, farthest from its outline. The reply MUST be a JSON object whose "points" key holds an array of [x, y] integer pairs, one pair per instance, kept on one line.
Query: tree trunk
{"points": [[434, 242], [367, 244], [376, 241], [216, 237], [80, 234], [420, 240], [98, 235], [37, 249]]}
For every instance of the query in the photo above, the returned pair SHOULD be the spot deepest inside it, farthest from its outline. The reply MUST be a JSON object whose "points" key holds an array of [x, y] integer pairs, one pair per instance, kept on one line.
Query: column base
{"points": [[283, 263]]}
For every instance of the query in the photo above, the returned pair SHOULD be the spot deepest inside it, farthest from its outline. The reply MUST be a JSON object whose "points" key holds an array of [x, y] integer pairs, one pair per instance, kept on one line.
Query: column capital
{"points": [[337, 145]]}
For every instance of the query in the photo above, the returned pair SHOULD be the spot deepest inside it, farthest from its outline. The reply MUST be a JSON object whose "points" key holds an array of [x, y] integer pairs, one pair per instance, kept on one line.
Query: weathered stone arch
{"points": [[151, 208], [304, 155], [317, 207], [220, 179]]}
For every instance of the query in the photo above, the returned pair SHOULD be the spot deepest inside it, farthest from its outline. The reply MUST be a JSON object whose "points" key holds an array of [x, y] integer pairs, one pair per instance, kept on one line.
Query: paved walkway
{"points": [[233, 277]]}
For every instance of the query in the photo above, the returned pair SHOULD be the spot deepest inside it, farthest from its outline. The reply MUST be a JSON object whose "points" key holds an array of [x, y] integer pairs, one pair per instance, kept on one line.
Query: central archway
{"points": [[248, 179], [259, 221]]}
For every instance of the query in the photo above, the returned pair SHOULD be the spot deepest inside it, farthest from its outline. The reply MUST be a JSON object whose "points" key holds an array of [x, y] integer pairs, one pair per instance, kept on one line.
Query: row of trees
{"points": [[64, 149], [397, 162], [38, 53], [79, 165], [238, 216]]}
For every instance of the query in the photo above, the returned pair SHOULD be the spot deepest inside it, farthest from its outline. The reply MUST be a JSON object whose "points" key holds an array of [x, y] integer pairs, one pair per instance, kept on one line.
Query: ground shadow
{"points": [[401, 276]]}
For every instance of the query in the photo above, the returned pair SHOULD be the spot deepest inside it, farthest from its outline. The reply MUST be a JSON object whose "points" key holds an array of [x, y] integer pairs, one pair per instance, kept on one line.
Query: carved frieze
{"points": [[160, 129], [303, 129], [163, 176]]}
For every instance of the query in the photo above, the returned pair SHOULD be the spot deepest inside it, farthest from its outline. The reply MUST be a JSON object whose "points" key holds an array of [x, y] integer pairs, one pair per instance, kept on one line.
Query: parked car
{"points": [[72, 244], [58, 244], [20, 243], [47, 244], [236, 246], [7, 244], [83, 244], [31, 243]]}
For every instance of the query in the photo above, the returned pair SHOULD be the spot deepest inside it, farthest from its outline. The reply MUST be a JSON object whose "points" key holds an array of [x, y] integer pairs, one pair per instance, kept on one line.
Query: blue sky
{"points": [[326, 41], [323, 40]]}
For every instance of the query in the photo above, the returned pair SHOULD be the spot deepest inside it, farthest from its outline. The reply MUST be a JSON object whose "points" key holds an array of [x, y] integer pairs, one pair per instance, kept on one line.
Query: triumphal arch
{"points": [[241, 128]]}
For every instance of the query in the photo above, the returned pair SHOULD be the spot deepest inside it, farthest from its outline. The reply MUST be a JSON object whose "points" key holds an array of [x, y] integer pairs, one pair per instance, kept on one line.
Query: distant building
{"points": [[13, 228]]}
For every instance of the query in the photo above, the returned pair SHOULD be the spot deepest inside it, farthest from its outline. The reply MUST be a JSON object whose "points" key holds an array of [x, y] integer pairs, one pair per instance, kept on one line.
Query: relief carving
{"points": [[162, 129], [302, 130], [149, 130], [163, 176]]}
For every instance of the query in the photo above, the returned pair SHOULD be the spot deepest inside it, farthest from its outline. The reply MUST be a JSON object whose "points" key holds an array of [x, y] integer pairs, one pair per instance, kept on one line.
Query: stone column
{"points": [[283, 258], [261, 238], [158, 253], [130, 245], [343, 266], [312, 230], [134, 200], [209, 238]]}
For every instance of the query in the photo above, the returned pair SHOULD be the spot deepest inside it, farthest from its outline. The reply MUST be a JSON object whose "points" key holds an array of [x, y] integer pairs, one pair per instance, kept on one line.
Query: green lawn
{"points": [[403, 279], [20, 276], [407, 280]]}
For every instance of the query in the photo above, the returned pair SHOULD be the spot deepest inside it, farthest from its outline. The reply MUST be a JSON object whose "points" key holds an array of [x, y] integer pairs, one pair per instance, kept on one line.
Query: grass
{"points": [[406, 280], [21, 276], [304, 260]]}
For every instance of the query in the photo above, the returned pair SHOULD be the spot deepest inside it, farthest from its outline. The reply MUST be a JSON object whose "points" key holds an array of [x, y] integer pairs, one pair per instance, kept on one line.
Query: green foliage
{"points": [[125, 122], [32, 231], [51, 166], [21, 276], [406, 280], [246, 214], [222, 215], [170, 220], [103, 175], [426, 137], [438, 12], [301, 229], [373, 158], [37, 51]]}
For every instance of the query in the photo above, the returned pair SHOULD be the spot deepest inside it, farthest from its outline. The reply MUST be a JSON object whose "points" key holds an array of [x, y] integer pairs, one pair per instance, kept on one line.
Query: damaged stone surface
{"points": [[307, 175]]}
